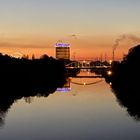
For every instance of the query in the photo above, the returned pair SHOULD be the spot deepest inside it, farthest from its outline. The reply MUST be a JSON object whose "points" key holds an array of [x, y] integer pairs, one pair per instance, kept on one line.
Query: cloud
{"points": [[23, 45]]}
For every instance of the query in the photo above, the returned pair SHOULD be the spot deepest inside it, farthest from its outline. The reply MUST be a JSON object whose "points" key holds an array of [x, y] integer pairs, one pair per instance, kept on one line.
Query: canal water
{"points": [[85, 109]]}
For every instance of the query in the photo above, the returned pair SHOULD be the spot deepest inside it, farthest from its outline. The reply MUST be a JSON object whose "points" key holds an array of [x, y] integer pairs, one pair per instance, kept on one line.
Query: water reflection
{"points": [[66, 87], [9, 96], [128, 96], [126, 89], [83, 78], [86, 78]]}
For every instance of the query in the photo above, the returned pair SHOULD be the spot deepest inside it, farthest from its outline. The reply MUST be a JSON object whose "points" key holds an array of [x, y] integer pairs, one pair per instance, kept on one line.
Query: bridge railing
{"points": [[89, 67]]}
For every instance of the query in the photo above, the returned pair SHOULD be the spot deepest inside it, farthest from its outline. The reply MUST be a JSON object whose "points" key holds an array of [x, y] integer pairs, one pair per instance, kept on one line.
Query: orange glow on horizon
{"points": [[82, 47]]}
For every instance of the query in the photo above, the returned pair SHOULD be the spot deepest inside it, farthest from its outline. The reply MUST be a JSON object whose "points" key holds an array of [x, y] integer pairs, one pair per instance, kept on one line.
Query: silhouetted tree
{"points": [[28, 78], [33, 56], [125, 82]]}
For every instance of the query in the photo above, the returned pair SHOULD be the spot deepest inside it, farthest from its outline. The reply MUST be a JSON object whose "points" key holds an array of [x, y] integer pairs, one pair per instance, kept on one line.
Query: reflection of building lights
{"points": [[110, 84], [63, 89], [109, 72], [110, 62]]}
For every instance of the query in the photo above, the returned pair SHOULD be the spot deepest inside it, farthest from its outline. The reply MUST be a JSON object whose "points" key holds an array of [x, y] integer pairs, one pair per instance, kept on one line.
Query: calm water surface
{"points": [[86, 112]]}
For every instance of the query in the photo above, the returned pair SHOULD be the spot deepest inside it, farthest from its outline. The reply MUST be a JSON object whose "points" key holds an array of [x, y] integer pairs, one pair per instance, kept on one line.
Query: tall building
{"points": [[62, 50]]}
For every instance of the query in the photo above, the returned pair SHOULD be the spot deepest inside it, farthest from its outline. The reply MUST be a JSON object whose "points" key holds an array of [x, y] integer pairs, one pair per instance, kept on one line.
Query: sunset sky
{"points": [[90, 26]]}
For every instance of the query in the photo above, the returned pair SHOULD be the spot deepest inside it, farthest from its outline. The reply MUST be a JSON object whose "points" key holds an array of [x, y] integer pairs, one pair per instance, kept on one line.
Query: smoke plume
{"points": [[124, 37]]}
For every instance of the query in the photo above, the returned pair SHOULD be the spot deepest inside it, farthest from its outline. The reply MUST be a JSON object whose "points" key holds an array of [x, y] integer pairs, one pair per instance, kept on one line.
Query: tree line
{"points": [[125, 83]]}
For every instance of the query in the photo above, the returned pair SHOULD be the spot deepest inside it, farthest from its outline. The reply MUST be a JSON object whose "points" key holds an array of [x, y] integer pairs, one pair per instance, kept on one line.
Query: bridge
{"points": [[90, 67], [97, 71], [87, 65]]}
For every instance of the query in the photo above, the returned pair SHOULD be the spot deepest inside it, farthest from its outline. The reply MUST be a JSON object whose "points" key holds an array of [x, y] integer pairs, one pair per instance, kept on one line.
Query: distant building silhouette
{"points": [[62, 50]]}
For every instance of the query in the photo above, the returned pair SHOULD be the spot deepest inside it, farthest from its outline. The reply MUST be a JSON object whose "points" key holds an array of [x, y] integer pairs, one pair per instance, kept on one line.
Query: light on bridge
{"points": [[110, 62], [109, 72]]}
